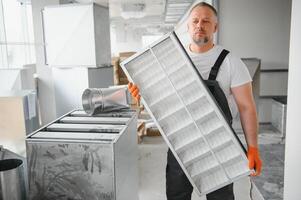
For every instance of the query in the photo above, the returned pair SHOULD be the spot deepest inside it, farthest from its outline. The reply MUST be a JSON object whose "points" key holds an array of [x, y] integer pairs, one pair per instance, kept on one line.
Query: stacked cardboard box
{"points": [[119, 76]]}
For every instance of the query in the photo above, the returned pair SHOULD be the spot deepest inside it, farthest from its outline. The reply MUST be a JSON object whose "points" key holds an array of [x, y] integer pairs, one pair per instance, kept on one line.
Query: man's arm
{"points": [[244, 99]]}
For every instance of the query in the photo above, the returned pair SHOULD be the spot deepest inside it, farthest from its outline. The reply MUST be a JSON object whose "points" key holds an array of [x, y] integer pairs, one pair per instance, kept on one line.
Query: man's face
{"points": [[202, 24]]}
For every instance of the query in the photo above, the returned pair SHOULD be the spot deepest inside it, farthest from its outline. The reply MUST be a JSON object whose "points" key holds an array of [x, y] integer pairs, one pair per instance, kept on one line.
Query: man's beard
{"points": [[201, 41]]}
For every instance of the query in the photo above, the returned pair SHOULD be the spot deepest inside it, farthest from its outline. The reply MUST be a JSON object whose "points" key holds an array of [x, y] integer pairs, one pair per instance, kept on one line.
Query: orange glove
{"points": [[134, 90], [254, 160]]}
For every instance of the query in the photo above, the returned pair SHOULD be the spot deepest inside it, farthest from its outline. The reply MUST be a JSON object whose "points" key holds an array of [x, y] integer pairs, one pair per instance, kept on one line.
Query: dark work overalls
{"points": [[178, 186]]}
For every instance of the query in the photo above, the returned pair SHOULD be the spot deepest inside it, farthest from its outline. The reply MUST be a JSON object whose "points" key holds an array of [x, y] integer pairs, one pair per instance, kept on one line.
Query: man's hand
{"points": [[134, 90], [254, 160]]}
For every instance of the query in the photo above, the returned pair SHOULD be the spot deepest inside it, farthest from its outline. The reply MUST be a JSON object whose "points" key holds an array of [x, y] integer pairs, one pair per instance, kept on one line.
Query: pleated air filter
{"points": [[187, 116]]}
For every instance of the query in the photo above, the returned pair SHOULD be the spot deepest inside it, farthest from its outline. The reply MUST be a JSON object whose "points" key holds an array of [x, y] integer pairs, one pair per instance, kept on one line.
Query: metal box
{"points": [[82, 157], [279, 114], [187, 115], [81, 38]]}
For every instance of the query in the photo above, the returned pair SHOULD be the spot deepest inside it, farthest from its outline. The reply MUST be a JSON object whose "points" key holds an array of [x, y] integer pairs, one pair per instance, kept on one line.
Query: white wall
{"points": [[259, 29], [123, 39], [256, 29], [292, 174]]}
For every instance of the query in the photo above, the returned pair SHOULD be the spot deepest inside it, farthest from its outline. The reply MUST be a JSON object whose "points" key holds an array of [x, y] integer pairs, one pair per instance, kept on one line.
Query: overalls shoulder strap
{"points": [[217, 64]]}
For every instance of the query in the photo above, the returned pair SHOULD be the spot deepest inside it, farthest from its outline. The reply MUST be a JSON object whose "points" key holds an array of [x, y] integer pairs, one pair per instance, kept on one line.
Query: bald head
{"points": [[203, 4]]}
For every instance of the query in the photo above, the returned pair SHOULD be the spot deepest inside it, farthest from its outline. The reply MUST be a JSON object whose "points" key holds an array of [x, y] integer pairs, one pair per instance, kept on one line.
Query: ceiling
{"points": [[150, 17]]}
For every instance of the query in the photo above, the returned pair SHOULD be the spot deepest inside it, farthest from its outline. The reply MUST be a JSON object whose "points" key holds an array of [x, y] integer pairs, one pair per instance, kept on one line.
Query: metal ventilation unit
{"points": [[187, 116], [82, 157]]}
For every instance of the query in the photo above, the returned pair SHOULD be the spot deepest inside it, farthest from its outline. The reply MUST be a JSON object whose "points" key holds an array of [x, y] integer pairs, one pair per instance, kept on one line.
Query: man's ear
{"points": [[215, 27]]}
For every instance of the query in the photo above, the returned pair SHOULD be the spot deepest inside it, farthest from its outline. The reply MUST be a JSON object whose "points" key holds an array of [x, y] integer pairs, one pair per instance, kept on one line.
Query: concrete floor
{"points": [[270, 183], [152, 162]]}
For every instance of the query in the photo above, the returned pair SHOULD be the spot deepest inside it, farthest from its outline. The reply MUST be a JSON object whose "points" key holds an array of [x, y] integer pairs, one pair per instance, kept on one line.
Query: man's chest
{"points": [[223, 77]]}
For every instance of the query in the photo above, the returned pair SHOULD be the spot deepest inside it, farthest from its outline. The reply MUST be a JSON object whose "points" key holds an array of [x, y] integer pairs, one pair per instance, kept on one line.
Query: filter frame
{"points": [[132, 76]]}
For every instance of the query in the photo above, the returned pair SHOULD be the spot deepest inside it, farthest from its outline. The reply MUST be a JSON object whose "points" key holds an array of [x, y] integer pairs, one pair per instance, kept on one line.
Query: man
{"points": [[235, 83]]}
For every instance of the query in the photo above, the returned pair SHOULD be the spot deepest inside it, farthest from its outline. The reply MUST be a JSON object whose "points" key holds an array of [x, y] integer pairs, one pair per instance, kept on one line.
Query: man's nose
{"points": [[199, 24]]}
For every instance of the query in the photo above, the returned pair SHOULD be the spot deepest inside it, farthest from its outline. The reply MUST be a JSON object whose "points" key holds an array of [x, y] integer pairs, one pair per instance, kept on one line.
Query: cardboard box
{"points": [[116, 68], [140, 131], [119, 76], [18, 117], [126, 54], [152, 132]]}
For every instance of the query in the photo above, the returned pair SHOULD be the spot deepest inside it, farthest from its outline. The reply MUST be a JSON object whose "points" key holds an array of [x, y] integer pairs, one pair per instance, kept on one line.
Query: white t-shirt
{"points": [[232, 73]]}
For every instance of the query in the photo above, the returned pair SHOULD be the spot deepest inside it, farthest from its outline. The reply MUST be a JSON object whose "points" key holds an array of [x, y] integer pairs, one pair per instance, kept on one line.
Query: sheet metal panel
{"points": [[78, 160], [187, 115], [75, 136], [94, 120], [100, 128], [81, 113], [70, 171]]}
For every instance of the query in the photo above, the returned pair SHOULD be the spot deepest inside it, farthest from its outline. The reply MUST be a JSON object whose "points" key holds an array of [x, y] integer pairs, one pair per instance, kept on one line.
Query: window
{"points": [[16, 34]]}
